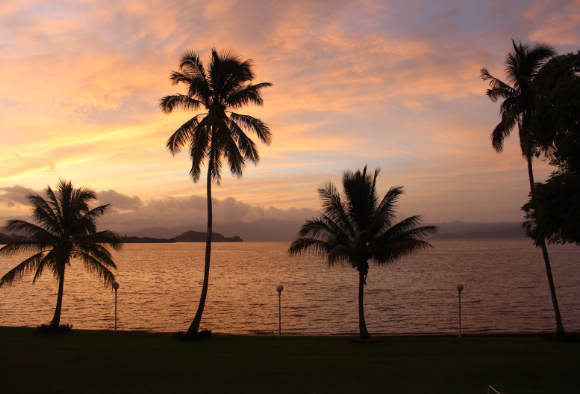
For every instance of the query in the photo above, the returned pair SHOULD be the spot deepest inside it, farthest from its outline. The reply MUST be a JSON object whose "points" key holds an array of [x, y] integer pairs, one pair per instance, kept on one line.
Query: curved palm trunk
{"points": [[194, 327], [559, 325], [56, 318], [362, 325]]}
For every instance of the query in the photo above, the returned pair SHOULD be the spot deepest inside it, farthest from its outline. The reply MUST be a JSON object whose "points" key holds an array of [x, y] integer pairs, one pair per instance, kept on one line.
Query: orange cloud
{"points": [[388, 84]]}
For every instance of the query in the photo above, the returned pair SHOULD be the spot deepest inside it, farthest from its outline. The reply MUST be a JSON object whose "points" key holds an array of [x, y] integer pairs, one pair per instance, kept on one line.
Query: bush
{"points": [[48, 329]]}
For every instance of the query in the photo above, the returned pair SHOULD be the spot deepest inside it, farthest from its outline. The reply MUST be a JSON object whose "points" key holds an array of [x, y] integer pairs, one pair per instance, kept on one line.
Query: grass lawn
{"points": [[135, 362]]}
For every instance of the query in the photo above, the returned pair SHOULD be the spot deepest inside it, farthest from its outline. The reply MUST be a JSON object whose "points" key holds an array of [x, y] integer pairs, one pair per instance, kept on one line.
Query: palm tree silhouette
{"points": [[219, 132], [359, 229], [521, 67], [65, 230]]}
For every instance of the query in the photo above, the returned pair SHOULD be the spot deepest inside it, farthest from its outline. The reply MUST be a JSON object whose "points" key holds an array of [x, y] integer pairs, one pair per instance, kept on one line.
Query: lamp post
{"points": [[116, 286], [460, 288], [279, 289]]}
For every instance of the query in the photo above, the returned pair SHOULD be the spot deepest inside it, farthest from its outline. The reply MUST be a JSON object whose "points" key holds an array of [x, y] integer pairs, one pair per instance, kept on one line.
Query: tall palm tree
{"points": [[358, 228], [521, 67], [219, 132], [65, 230]]}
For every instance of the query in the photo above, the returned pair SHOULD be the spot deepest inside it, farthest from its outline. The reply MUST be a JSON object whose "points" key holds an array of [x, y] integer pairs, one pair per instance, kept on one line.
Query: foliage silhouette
{"points": [[65, 230], [521, 67], [357, 228], [554, 213], [219, 132]]}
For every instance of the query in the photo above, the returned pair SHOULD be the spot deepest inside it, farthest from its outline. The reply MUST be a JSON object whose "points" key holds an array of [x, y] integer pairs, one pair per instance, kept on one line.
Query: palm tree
{"points": [[359, 229], [65, 230], [521, 67], [219, 132]]}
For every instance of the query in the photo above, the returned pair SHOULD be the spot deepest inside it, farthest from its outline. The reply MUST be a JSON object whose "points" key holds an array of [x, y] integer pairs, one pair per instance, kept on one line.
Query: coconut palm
{"points": [[218, 133], [358, 228], [64, 230], [521, 67]]}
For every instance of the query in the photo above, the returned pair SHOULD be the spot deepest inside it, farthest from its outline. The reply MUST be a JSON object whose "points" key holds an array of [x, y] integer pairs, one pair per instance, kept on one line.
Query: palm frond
{"points": [[361, 197], [385, 212], [497, 88], [96, 266], [385, 254], [183, 135], [245, 144], [191, 62], [317, 229], [168, 103], [30, 230], [248, 94], [316, 246], [342, 254], [93, 214], [53, 206], [255, 125], [215, 163], [16, 273], [46, 213], [334, 208], [18, 247], [407, 229], [229, 139], [199, 148], [49, 260]]}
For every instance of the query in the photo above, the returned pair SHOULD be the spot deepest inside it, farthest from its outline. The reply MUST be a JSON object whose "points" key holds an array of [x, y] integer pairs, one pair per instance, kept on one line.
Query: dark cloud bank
{"points": [[171, 216]]}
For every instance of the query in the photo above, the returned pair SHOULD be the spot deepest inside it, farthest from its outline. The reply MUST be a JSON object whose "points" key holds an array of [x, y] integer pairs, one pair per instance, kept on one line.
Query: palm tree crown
{"points": [[65, 229], [219, 132], [358, 228], [521, 67]]}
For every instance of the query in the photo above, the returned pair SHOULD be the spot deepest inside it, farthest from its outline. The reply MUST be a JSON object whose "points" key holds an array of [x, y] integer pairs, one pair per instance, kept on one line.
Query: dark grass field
{"points": [[136, 362]]}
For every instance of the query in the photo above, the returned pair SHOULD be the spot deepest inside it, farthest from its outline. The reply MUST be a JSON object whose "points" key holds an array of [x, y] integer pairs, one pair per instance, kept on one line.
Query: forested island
{"points": [[197, 236]]}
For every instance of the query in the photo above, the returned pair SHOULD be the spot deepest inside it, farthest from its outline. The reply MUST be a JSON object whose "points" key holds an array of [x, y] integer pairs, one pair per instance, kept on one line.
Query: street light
{"points": [[116, 286], [460, 288], [279, 289]]}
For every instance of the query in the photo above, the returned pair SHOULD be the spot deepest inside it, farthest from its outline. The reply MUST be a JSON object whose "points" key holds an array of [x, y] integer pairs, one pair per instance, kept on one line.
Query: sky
{"points": [[389, 84]]}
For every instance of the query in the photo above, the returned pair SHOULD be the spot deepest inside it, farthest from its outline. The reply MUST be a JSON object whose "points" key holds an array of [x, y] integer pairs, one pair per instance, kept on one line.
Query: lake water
{"points": [[506, 290]]}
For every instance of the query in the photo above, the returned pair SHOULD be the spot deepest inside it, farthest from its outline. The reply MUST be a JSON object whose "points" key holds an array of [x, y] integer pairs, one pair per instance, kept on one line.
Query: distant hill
{"points": [[459, 230], [146, 240], [6, 239], [196, 236], [286, 230], [259, 230]]}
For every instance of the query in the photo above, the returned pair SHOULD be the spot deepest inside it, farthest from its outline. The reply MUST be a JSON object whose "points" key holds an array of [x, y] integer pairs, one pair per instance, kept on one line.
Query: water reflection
{"points": [[506, 291]]}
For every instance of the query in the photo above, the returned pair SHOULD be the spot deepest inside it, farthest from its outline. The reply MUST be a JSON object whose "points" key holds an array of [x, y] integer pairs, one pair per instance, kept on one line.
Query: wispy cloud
{"points": [[390, 84]]}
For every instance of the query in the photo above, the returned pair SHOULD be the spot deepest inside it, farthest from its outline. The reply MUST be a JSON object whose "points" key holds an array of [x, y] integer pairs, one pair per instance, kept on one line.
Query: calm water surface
{"points": [[506, 290]]}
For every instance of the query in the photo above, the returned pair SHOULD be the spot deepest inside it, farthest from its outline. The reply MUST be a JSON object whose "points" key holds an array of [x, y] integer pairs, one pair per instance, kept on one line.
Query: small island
{"points": [[197, 236]]}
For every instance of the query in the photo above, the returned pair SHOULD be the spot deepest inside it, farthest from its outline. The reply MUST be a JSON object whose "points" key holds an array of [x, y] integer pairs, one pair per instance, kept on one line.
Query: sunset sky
{"points": [[391, 84]]}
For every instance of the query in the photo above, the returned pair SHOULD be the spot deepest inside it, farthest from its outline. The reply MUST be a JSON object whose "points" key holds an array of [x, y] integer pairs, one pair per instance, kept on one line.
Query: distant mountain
{"points": [[6, 239], [262, 230], [195, 236], [286, 230], [456, 230], [146, 240], [160, 232], [259, 230]]}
